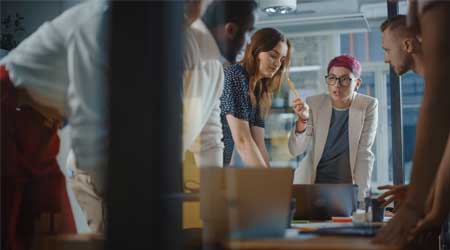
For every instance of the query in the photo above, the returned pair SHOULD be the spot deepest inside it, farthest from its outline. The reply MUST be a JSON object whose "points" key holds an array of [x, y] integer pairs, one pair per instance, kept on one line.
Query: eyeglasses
{"points": [[344, 81]]}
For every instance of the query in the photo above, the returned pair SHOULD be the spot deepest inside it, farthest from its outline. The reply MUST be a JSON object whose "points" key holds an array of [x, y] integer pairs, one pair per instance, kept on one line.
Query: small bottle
{"points": [[363, 213], [368, 201]]}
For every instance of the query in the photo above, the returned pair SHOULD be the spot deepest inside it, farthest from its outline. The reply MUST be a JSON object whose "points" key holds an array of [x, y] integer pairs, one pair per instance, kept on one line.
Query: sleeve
{"points": [[191, 50], [211, 149], [365, 157], [36, 65], [88, 94], [210, 153], [235, 100], [298, 143]]}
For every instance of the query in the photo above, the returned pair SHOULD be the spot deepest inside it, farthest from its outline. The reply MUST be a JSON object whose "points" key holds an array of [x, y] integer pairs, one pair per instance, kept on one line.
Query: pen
{"points": [[291, 86]]}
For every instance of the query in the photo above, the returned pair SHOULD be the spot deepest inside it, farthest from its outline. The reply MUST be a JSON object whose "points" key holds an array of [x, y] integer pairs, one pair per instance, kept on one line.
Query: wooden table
{"points": [[294, 240], [96, 242], [313, 243], [73, 242]]}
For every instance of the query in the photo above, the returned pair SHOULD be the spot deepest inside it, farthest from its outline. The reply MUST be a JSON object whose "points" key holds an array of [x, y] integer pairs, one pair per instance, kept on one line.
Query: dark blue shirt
{"points": [[334, 166], [236, 102]]}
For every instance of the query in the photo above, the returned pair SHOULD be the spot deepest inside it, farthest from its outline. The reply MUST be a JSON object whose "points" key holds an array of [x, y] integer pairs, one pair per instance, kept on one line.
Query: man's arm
{"points": [[87, 97], [439, 203], [434, 119], [210, 153], [433, 124]]}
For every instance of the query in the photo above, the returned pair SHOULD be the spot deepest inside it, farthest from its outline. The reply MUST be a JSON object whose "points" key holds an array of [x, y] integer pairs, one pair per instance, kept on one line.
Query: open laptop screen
{"points": [[323, 201]]}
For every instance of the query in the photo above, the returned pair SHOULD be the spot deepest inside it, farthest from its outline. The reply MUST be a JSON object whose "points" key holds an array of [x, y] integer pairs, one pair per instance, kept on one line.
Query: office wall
{"points": [[34, 12], [66, 4]]}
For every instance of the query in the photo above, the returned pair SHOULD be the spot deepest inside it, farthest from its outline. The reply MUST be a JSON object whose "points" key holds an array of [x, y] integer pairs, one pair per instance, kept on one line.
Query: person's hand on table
{"points": [[395, 193], [430, 224], [436, 212], [397, 230]]}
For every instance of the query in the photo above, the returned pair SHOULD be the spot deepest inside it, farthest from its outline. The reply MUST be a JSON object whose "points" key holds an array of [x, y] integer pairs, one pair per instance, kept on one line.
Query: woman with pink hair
{"points": [[336, 130]]}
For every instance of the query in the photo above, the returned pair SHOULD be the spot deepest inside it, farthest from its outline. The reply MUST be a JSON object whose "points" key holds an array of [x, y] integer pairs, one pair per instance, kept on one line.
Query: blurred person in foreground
{"points": [[34, 199], [63, 67], [430, 19]]}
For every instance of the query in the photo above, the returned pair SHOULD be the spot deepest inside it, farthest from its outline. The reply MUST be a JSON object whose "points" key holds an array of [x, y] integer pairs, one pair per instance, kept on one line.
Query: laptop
{"points": [[323, 201], [240, 203]]}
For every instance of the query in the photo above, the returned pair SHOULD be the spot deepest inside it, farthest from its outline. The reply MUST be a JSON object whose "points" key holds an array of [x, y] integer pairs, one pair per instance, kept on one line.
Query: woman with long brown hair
{"points": [[247, 96]]}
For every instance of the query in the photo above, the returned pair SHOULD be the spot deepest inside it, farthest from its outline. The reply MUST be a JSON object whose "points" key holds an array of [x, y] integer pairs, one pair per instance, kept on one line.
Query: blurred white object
{"points": [[361, 217], [274, 7]]}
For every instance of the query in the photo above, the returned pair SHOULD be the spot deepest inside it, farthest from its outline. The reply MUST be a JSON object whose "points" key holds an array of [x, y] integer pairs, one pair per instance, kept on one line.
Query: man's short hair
{"points": [[398, 25], [221, 12]]}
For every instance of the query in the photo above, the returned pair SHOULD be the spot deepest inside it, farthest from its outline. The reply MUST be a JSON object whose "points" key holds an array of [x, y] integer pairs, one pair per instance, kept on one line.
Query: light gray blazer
{"points": [[362, 126]]}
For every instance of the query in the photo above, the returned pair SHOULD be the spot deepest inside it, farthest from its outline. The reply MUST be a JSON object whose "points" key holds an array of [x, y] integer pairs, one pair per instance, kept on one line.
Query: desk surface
{"points": [[312, 243], [73, 242], [294, 240]]}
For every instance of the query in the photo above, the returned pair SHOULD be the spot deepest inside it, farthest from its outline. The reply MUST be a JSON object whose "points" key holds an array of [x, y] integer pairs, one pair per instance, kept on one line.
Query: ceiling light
{"points": [[274, 7]]}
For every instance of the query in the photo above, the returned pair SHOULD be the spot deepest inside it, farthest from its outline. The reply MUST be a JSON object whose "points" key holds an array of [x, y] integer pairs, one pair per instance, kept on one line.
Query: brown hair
{"points": [[264, 40], [398, 25]]}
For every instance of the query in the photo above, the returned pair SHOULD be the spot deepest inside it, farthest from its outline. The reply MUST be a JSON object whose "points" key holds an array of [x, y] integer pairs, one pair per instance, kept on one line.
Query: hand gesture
{"points": [[301, 109], [395, 193]]}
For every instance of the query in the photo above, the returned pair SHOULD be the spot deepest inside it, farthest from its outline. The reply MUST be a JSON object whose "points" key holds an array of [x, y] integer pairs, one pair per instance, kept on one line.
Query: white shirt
{"points": [[63, 65], [202, 87]]}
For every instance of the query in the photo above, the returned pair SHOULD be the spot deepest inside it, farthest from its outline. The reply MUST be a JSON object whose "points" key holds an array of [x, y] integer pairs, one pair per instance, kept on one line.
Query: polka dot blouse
{"points": [[236, 102]]}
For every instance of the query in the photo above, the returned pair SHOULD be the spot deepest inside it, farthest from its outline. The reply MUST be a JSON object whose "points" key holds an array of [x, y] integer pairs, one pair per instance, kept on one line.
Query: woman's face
{"points": [[342, 84], [270, 61]]}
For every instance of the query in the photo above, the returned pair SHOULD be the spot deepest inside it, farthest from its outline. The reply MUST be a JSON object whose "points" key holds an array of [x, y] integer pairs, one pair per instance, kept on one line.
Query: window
{"points": [[308, 66], [307, 72], [375, 73]]}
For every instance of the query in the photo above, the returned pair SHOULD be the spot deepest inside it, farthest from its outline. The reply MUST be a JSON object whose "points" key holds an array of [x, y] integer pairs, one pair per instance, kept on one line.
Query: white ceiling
{"points": [[328, 16]]}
